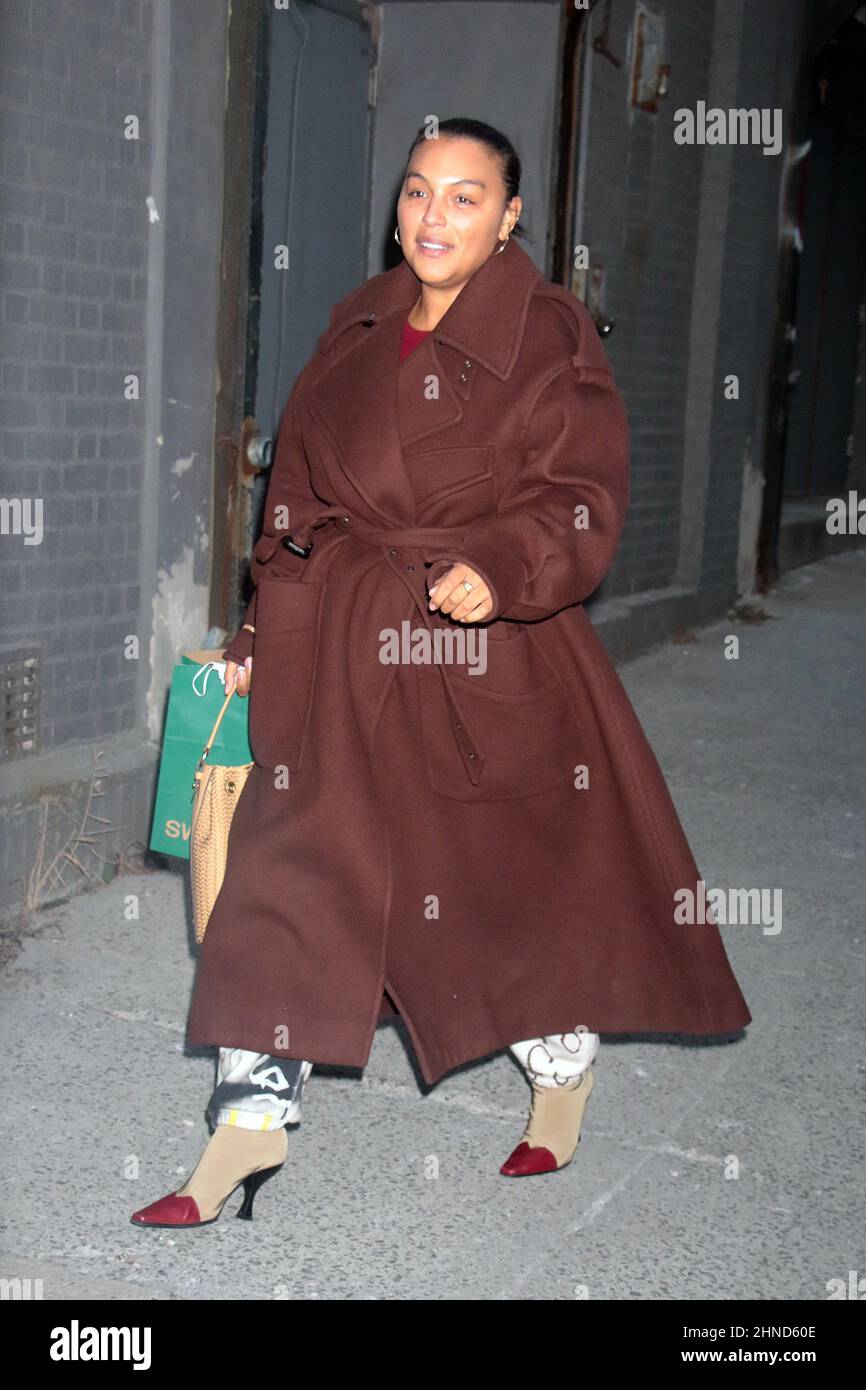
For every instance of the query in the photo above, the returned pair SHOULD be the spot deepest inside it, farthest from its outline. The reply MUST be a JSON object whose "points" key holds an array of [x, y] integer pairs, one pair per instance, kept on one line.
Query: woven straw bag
{"points": [[216, 791]]}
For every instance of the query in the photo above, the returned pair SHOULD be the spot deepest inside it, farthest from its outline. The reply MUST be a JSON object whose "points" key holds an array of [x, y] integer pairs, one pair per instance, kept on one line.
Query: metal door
{"points": [[314, 188], [829, 292], [304, 95]]}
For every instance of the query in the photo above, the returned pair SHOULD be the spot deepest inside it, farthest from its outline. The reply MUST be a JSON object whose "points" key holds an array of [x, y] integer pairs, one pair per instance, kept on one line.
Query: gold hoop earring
{"points": [[397, 235], [502, 245]]}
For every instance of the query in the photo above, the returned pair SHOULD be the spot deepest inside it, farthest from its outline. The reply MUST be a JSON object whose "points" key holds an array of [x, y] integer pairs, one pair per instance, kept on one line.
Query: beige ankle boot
{"points": [[552, 1132]]}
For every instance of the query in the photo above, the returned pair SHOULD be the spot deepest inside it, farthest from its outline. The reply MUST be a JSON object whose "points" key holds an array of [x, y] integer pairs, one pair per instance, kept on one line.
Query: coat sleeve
{"points": [[555, 532], [289, 497]]}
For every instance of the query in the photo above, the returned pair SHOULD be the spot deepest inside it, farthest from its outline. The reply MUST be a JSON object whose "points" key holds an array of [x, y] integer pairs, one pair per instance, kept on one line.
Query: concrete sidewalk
{"points": [[103, 1108]]}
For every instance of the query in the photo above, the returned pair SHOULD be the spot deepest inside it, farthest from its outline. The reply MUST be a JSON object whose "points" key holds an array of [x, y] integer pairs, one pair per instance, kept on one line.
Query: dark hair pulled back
{"points": [[497, 143]]}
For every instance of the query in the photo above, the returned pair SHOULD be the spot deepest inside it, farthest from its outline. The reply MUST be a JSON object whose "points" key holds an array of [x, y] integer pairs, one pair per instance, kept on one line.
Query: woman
{"points": [[453, 808]]}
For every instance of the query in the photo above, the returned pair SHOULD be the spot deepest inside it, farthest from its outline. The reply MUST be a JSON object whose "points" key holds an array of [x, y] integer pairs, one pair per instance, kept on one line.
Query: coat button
{"points": [[463, 376], [411, 569], [344, 521], [467, 363], [393, 552]]}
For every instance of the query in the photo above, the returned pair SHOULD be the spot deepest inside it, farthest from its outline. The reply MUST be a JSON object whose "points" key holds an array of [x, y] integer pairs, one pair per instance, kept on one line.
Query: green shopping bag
{"points": [[195, 699]]}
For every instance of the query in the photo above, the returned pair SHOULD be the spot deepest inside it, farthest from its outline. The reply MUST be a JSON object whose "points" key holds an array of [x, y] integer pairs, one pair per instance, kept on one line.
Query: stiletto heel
{"points": [[252, 1183]]}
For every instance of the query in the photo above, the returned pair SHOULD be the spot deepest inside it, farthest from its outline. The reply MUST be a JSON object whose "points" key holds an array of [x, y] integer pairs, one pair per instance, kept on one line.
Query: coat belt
{"points": [[427, 540]]}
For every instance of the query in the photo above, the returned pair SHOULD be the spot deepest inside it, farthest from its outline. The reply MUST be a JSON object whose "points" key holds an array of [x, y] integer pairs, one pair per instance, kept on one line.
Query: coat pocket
{"points": [[452, 485], [285, 655], [516, 715]]}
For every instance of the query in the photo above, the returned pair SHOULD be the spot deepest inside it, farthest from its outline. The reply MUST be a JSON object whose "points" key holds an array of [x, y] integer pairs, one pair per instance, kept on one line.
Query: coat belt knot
{"points": [[429, 541]]}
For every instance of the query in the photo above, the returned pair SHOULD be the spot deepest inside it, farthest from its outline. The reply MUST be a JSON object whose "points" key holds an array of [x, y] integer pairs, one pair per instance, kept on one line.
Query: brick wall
{"points": [[73, 276], [110, 266], [643, 210]]}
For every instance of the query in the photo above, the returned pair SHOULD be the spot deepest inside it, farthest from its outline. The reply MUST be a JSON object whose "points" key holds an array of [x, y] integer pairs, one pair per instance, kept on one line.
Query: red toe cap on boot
{"points": [[169, 1211], [525, 1160]]}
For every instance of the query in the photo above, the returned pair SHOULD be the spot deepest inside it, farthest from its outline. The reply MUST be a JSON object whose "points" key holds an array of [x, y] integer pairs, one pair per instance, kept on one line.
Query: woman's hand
{"points": [[243, 673], [450, 596]]}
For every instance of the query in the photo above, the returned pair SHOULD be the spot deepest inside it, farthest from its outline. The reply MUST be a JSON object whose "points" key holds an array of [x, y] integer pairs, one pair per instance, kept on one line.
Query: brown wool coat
{"points": [[419, 829]]}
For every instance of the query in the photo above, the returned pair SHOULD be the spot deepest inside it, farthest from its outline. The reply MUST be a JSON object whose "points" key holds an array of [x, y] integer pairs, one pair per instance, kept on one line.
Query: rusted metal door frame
{"points": [[573, 33], [247, 49]]}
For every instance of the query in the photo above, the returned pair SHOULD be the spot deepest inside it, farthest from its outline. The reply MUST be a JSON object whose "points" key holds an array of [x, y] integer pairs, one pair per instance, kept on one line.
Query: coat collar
{"points": [[485, 322]]}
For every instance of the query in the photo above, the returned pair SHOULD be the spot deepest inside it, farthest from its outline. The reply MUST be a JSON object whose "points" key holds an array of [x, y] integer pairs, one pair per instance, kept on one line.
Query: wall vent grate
{"points": [[19, 693]]}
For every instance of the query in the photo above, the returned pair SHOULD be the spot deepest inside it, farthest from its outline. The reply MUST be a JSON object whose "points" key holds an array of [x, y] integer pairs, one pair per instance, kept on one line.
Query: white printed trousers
{"points": [[258, 1091]]}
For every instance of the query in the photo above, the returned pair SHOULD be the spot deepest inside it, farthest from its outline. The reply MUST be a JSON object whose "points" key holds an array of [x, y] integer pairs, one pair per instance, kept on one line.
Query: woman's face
{"points": [[453, 198]]}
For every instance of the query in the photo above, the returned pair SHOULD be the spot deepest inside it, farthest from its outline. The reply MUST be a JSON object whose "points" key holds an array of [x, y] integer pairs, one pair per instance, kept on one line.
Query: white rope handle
{"points": [[206, 669]]}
